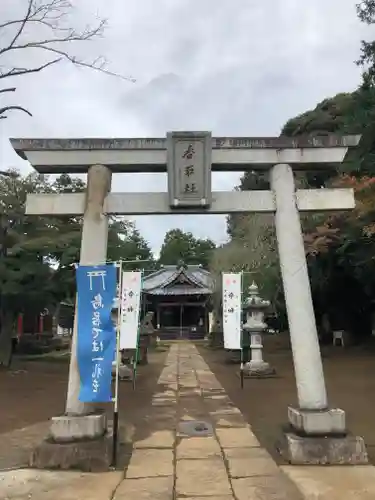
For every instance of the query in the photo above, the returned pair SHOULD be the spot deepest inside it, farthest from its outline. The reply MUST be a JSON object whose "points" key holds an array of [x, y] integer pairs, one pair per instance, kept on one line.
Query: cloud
{"points": [[240, 68]]}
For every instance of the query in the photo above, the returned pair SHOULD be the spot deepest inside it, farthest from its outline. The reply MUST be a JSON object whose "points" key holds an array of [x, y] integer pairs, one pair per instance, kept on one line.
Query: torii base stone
{"points": [[299, 449], [82, 443]]}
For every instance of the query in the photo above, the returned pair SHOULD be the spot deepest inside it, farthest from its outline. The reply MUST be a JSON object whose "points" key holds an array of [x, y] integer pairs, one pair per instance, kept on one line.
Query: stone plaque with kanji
{"points": [[189, 169]]}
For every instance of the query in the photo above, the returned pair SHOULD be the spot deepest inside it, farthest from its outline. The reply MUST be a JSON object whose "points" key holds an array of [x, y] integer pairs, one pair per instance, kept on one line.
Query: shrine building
{"points": [[180, 297]]}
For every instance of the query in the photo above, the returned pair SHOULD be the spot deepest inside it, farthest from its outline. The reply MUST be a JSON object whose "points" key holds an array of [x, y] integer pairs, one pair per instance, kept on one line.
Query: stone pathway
{"points": [[195, 445], [226, 462]]}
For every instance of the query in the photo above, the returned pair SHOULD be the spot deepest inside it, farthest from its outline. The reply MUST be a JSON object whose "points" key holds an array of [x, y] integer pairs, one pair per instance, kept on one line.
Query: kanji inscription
{"points": [[189, 169]]}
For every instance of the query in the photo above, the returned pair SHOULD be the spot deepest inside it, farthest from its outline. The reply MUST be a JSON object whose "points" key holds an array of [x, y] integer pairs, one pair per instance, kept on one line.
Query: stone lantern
{"points": [[255, 307]]}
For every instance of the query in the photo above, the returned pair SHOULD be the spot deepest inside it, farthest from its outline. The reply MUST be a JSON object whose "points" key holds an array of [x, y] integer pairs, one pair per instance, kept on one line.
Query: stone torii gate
{"points": [[319, 433]]}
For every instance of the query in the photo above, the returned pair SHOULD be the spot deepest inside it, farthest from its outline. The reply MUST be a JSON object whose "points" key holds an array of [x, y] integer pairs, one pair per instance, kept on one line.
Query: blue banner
{"points": [[96, 342]]}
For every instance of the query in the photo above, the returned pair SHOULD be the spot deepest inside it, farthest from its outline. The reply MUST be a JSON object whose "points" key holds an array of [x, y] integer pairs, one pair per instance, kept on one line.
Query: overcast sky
{"points": [[233, 67]]}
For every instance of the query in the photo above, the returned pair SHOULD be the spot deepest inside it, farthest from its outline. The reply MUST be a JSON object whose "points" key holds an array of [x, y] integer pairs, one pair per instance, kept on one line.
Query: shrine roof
{"points": [[179, 280]]}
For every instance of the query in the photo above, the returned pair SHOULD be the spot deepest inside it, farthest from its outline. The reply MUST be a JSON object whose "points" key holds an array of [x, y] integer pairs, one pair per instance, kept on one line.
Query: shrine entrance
{"points": [[189, 158], [180, 298]]}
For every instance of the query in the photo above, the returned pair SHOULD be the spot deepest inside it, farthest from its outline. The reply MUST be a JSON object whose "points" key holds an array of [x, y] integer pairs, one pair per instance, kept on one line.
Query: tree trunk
{"points": [[6, 339]]}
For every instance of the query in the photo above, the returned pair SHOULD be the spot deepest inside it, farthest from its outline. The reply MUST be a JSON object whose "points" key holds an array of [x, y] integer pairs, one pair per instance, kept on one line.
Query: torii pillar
{"points": [[318, 433], [93, 252], [80, 438]]}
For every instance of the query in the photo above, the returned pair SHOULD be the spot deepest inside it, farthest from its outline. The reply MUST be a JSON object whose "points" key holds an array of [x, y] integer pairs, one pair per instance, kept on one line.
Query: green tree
{"points": [[350, 113], [340, 246], [127, 244], [251, 247], [250, 181], [366, 13], [38, 254], [25, 276], [181, 246], [251, 250], [327, 236]]}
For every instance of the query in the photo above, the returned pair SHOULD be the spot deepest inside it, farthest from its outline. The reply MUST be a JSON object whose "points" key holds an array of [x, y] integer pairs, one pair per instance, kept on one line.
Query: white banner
{"points": [[130, 308], [232, 288]]}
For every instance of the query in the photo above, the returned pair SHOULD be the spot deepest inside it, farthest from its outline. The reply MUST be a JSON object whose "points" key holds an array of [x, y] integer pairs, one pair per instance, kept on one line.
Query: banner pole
{"points": [[135, 360], [115, 406], [241, 337]]}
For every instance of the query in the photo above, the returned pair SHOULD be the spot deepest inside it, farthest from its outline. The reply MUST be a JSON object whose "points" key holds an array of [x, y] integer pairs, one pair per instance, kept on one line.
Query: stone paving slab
{"points": [[198, 447], [275, 487], [163, 403], [334, 482], [240, 437], [28, 484], [150, 488], [225, 420], [150, 463], [198, 477], [226, 497], [158, 439], [249, 462]]}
